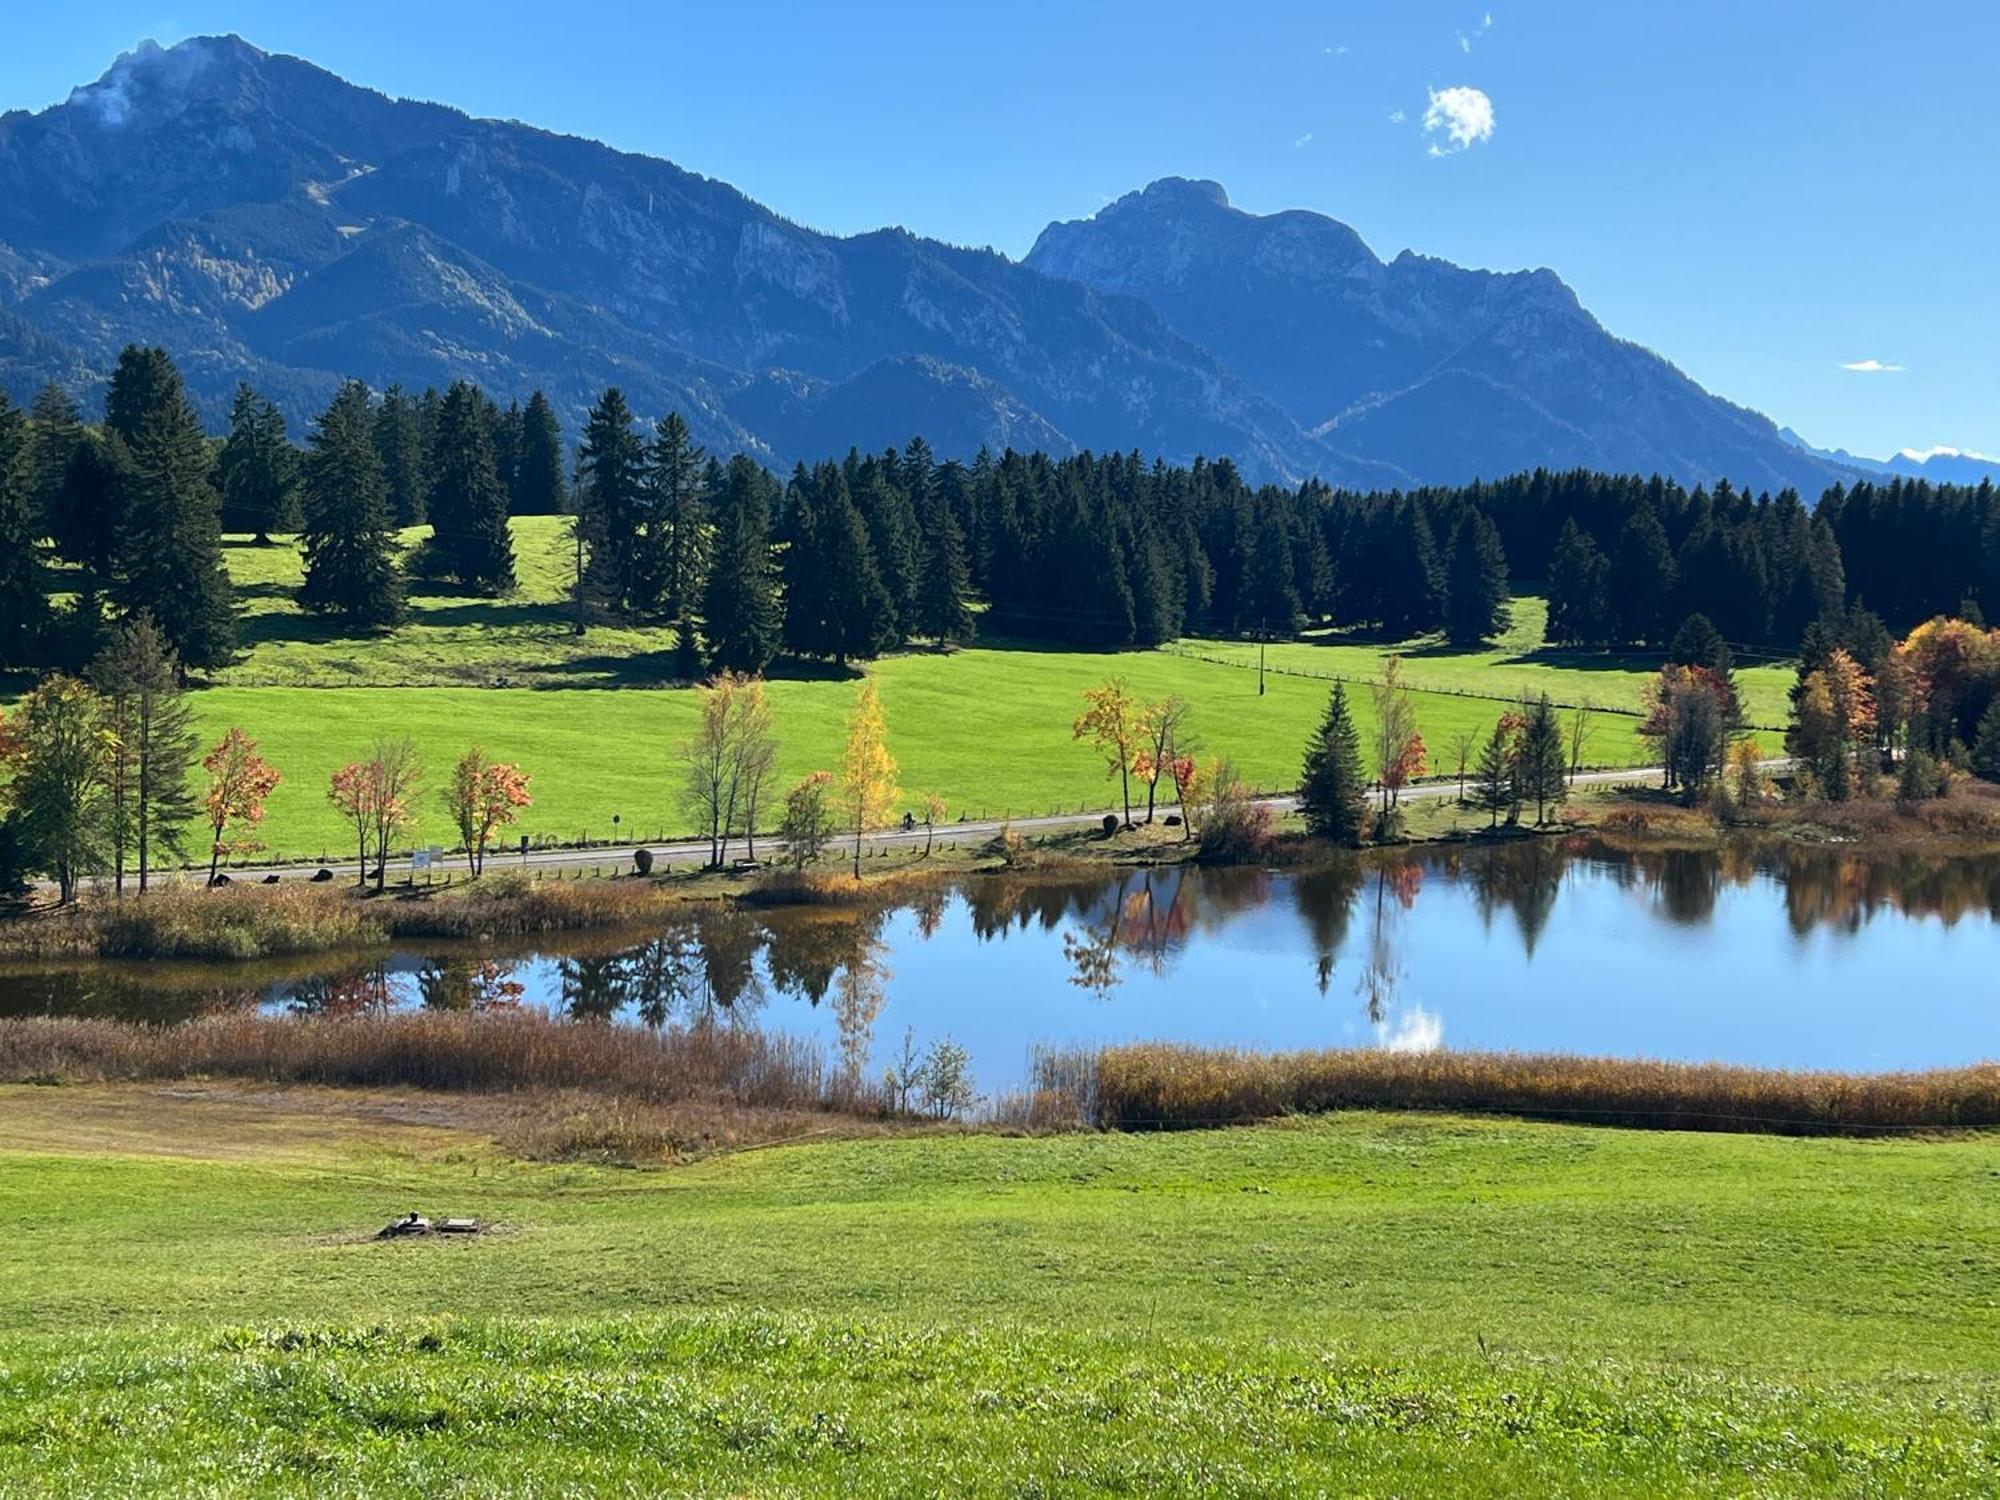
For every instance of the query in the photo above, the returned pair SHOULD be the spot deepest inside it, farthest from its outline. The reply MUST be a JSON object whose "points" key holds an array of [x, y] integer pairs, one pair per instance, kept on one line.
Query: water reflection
{"points": [[1717, 954]]}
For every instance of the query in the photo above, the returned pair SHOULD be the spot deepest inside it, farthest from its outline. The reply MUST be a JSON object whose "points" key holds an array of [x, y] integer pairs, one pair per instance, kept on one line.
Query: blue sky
{"points": [[1764, 192]]}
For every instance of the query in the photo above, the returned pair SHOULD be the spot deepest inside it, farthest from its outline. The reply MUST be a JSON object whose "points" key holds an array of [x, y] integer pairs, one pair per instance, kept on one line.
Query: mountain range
{"points": [[266, 220]]}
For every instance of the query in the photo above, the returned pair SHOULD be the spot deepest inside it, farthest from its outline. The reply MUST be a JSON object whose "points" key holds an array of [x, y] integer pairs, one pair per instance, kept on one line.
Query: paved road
{"points": [[693, 853]]}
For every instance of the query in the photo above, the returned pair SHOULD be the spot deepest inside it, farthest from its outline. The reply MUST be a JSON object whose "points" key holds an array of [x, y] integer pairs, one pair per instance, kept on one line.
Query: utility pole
{"points": [[1263, 635]]}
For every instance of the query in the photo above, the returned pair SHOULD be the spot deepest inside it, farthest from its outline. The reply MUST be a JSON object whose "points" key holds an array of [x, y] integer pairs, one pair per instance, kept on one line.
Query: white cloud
{"points": [[1334, 51], [1466, 39], [1872, 367], [1304, 140], [1463, 117], [1417, 1030], [1397, 116]]}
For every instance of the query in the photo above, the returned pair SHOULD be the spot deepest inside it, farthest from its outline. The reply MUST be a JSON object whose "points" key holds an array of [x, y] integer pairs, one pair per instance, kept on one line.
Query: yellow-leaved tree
{"points": [[868, 790]]}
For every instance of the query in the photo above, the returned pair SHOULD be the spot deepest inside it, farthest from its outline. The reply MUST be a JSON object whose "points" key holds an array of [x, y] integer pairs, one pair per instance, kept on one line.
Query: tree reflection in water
{"points": [[354, 992], [1148, 916], [468, 984]]}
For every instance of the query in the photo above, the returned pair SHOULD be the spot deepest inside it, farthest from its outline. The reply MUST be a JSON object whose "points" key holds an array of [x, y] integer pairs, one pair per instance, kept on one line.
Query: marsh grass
{"points": [[496, 1051], [1158, 1086], [246, 922]]}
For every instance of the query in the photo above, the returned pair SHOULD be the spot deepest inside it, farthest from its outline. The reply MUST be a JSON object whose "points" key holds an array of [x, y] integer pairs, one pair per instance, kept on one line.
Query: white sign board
{"points": [[420, 859]]}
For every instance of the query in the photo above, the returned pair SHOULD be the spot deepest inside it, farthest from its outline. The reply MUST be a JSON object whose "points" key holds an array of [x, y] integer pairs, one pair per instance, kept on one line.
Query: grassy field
{"points": [[597, 721], [1371, 1304]]}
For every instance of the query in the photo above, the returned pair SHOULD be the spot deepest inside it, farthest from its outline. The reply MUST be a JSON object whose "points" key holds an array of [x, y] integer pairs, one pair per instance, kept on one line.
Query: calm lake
{"points": [[1777, 955]]}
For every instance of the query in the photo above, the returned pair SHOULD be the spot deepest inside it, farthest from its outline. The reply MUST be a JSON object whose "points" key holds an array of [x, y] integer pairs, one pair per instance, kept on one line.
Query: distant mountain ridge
{"points": [[266, 220], [1938, 465]]}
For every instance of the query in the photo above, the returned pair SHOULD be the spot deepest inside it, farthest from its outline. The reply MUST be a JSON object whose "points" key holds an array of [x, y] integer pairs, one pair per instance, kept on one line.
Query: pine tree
{"points": [[468, 502], [944, 607], [400, 447], [1408, 573], [1578, 576], [1333, 796], [258, 470], [153, 746], [1496, 775], [24, 598], [57, 429], [678, 514], [538, 488], [1271, 598], [741, 616], [1642, 579], [1475, 582], [348, 534], [611, 499], [170, 546], [1543, 765]]}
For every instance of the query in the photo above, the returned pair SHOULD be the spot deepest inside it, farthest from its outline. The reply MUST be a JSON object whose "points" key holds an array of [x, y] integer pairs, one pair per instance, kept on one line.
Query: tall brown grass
{"points": [[241, 922], [438, 1050], [1156, 1086]]}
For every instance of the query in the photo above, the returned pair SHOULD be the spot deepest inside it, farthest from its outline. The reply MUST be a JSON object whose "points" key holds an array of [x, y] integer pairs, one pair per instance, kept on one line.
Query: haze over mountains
{"points": [[266, 220]]}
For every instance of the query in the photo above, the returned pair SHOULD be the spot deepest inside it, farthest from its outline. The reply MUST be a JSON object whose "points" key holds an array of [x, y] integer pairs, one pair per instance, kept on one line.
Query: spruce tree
{"points": [[1578, 579], [153, 746], [860, 613], [349, 535], [1271, 604], [400, 447], [893, 540], [1333, 796], [468, 502], [258, 469], [1986, 746], [944, 606], [1697, 643], [1408, 576], [170, 545], [538, 461], [611, 500], [57, 429], [677, 509], [741, 616], [1475, 582], [24, 599], [1642, 579], [1543, 765], [1496, 776]]}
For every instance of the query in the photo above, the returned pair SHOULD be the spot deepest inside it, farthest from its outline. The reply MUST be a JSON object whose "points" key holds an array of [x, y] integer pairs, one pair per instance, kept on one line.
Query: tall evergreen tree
{"points": [[611, 501], [258, 469], [944, 603], [468, 502], [349, 534], [677, 507], [1579, 576], [1642, 579], [1407, 573], [538, 488], [24, 596], [1543, 765], [741, 614], [1333, 795], [57, 428], [1475, 607], [893, 539], [402, 451], [170, 546], [1271, 604], [153, 746]]}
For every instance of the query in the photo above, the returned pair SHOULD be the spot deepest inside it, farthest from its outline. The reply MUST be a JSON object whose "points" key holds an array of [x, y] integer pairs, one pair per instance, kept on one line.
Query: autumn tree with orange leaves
{"points": [[1112, 722], [240, 782], [484, 796], [1833, 723], [378, 797]]}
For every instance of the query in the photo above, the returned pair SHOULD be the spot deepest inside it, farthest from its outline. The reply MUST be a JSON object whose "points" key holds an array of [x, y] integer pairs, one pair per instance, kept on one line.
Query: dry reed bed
{"points": [[242, 922], [438, 1050], [1149, 1087]]}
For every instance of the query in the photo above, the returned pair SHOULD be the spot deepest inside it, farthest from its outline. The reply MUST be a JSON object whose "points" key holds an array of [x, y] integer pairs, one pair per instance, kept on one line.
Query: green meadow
{"points": [[1367, 1304], [596, 721]]}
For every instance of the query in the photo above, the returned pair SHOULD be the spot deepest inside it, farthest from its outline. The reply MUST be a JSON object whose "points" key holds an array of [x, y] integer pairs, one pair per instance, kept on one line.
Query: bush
{"points": [[1235, 828]]}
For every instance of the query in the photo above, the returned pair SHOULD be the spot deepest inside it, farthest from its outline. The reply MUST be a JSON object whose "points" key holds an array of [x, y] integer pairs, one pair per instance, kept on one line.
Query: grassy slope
{"points": [[988, 728], [1378, 1303]]}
